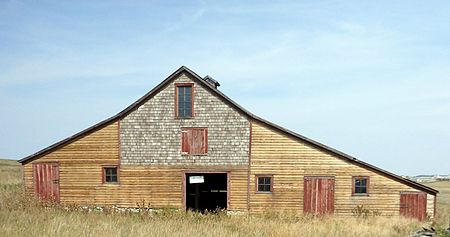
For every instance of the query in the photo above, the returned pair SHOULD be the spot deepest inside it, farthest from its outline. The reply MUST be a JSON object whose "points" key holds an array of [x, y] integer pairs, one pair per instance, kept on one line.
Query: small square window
{"points": [[110, 175], [360, 185], [264, 183]]}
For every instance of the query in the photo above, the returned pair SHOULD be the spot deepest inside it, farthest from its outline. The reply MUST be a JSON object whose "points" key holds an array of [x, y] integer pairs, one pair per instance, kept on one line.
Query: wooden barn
{"points": [[186, 145]]}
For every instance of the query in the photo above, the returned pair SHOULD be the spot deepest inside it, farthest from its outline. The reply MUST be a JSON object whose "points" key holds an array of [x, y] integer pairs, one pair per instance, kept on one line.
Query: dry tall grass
{"points": [[24, 216], [10, 172], [19, 219], [443, 202]]}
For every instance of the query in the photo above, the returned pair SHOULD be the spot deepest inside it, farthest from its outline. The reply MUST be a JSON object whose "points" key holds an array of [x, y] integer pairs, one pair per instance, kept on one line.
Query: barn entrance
{"points": [[413, 205], [206, 191], [318, 197], [46, 181]]}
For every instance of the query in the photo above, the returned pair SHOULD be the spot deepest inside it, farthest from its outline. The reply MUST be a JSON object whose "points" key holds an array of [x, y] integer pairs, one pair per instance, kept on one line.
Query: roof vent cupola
{"points": [[211, 81]]}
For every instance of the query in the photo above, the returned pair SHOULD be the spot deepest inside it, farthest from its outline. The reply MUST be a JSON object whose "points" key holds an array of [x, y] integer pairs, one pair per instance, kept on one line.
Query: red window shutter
{"points": [[205, 141], [185, 146], [197, 141], [194, 141]]}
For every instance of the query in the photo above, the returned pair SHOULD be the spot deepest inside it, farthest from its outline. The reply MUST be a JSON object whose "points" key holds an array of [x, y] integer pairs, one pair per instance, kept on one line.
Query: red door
{"points": [[318, 195], [46, 181], [413, 205]]}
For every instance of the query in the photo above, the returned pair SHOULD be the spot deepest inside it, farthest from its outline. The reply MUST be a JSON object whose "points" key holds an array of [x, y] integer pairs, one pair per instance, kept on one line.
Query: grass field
{"points": [[9, 172], [23, 216], [443, 203]]}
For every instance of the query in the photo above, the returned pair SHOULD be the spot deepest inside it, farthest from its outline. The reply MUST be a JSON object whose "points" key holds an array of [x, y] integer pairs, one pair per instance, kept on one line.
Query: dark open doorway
{"points": [[206, 191]]}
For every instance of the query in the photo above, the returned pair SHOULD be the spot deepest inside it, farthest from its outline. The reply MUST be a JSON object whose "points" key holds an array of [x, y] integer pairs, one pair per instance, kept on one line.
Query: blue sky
{"points": [[369, 78]]}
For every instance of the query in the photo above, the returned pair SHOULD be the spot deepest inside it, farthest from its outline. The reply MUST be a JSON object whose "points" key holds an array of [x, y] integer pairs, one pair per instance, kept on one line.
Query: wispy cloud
{"points": [[351, 74]]}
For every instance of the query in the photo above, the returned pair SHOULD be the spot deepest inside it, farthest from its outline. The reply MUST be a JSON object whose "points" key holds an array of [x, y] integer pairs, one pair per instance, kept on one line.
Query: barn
{"points": [[186, 145]]}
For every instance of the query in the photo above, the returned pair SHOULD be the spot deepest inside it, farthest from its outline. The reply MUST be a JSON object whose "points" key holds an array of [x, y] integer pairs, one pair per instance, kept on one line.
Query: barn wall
{"points": [[152, 135], [81, 164], [155, 186], [430, 205], [290, 160], [161, 186]]}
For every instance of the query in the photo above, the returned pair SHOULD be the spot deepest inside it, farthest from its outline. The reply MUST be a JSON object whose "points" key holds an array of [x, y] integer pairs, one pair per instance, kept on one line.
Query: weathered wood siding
{"points": [[413, 205], [151, 134], [430, 205], [80, 164], [318, 195], [161, 186], [157, 186], [289, 160], [46, 181]]}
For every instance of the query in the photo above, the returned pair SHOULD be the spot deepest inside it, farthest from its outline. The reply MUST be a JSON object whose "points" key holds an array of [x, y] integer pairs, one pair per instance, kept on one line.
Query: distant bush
{"points": [[361, 211]]}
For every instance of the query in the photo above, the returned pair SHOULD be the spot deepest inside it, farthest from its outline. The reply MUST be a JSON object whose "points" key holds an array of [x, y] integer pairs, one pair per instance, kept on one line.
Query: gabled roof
{"points": [[240, 109]]}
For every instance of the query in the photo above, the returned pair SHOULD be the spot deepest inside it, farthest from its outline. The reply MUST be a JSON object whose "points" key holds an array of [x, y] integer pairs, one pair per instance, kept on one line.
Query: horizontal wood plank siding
{"points": [[161, 186], [157, 186], [80, 164], [289, 160]]}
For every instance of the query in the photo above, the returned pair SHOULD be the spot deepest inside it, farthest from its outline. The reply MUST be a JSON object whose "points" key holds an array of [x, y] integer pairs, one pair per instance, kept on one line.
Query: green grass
{"points": [[21, 215]]}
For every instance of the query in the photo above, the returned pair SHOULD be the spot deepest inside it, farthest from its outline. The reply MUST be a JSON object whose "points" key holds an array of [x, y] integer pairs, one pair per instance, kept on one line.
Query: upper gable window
{"points": [[184, 100], [194, 141]]}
